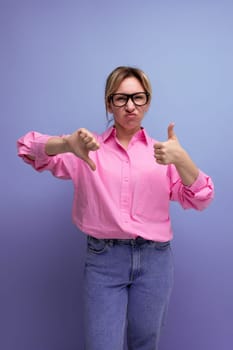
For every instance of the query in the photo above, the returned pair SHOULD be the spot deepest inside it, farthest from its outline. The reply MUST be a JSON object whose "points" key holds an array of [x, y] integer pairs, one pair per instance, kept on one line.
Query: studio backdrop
{"points": [[55, 57]]}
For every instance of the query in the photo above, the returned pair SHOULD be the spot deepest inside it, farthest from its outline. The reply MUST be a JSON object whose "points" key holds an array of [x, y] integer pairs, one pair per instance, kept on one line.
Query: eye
{"points": [[139, 97], [120, 98]]}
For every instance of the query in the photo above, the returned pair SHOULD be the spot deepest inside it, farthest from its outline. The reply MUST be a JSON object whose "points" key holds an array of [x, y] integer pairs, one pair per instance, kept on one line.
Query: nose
{"points": [[130, 105]]}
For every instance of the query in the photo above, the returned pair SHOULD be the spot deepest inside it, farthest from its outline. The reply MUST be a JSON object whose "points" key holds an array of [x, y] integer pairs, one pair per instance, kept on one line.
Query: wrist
{"points": [[56, 145], [65, 144], [180, 158]]}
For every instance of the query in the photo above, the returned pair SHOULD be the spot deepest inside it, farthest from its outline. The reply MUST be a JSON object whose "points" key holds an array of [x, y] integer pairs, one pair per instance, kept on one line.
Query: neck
{"points": [[124, 135]]}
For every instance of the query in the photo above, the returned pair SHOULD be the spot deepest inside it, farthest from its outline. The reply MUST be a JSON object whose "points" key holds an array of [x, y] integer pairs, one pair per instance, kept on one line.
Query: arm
{"points": [[189, 186], [171, 152], [80, 143], [185, 167], [54, 146]]}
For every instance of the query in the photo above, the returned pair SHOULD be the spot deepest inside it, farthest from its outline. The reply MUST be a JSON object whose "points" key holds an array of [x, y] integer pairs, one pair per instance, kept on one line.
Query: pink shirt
{"points": [[129, 193]]}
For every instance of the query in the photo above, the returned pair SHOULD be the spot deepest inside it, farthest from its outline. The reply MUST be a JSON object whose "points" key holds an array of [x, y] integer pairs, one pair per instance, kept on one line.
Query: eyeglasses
{"points": [[120, 100]]}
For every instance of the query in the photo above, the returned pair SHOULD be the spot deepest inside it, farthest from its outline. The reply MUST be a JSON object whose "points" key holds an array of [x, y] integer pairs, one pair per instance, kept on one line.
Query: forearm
{"points": [[35, 146], [186, 169], [56, 145]]}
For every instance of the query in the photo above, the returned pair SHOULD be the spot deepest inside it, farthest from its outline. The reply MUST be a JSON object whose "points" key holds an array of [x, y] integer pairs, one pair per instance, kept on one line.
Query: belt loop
{"points": [[133, 242], [110, 242]]}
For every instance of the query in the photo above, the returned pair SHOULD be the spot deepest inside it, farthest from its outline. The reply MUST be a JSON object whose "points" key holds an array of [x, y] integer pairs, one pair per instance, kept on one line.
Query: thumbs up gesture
{"points": [[170, 151]]}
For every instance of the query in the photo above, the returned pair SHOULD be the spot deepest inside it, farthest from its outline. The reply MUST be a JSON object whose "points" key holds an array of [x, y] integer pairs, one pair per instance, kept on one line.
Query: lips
{"points": [[130, 115]]}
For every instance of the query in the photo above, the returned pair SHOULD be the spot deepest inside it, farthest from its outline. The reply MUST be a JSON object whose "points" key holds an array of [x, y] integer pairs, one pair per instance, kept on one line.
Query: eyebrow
{"points": [[124, 93]]}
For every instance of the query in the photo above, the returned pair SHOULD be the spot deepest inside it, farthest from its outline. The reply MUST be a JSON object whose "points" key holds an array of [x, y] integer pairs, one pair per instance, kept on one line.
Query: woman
{"points": [[123, 183]]}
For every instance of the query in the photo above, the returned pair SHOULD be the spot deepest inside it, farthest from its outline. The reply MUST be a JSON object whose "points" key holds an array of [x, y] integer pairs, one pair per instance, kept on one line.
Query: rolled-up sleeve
{"points": [[197, 196], [33, 144]]}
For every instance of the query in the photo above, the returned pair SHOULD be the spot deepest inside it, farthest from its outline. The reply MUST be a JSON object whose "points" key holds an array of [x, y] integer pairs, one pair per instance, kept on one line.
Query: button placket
{"points": [[125, 200]]}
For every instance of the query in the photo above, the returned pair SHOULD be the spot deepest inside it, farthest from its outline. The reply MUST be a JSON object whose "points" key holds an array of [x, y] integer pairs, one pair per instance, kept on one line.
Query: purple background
{"points": [[55, 57]]}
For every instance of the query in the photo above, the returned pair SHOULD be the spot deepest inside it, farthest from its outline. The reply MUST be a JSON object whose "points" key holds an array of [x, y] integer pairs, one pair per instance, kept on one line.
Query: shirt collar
{"points": [[140, 135], [111, 131]]}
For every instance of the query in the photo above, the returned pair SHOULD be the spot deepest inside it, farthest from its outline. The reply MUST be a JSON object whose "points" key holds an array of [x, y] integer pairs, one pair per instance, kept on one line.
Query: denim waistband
{"points": [[137, 241]]}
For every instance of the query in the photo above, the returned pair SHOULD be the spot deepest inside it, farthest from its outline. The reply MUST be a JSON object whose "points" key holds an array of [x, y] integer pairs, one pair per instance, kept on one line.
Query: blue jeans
{"points": [[127, 287]]}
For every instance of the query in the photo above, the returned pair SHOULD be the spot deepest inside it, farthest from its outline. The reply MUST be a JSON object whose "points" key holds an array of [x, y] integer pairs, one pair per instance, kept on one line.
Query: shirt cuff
{"points": [[38, 147], [199, 183]]}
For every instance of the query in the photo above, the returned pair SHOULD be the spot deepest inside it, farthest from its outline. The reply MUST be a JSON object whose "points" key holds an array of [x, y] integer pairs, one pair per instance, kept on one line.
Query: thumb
{"points": [[170, 131], [91, 164]]}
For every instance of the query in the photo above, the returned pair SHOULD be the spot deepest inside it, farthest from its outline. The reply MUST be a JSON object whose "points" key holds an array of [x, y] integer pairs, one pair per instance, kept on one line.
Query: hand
{"points": [[81, 142], [170, 151]]}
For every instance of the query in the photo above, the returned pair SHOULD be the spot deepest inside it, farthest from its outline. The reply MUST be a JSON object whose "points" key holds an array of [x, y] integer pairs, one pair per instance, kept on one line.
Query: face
{"points": [[129, 117]]}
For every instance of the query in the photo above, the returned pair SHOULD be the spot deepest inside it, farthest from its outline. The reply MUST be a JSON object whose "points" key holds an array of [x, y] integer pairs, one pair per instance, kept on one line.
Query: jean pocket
{"points": [[96, 246], [162, 245]]}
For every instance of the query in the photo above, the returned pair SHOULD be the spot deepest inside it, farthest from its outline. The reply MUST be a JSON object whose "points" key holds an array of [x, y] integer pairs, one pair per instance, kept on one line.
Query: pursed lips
{"points": [[131, 115]]}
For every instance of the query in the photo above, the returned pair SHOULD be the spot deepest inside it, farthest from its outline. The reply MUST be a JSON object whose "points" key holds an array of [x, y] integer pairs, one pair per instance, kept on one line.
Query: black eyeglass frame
{"points": [[130, 96]]}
